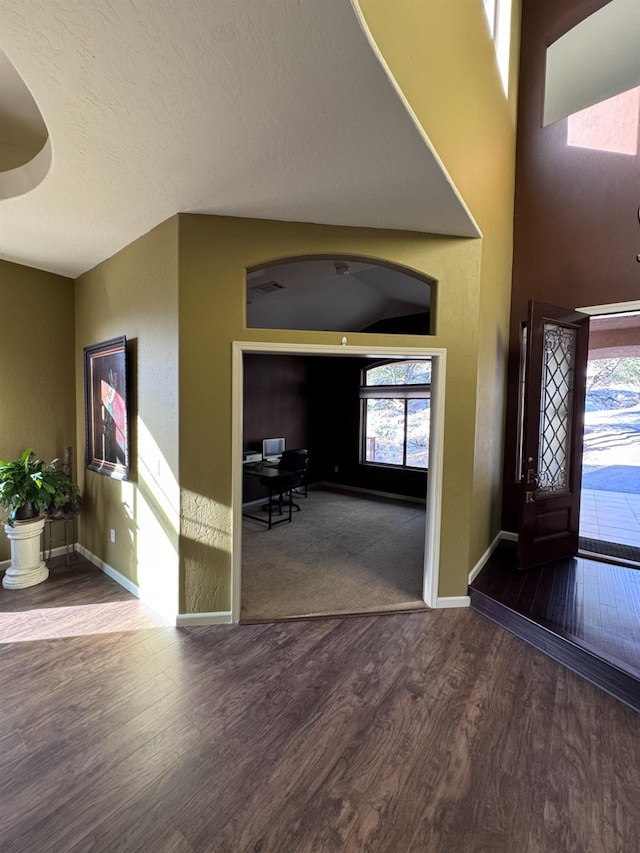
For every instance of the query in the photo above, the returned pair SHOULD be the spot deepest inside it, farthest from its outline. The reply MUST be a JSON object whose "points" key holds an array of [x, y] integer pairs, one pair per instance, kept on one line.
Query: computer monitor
{"points": [[272, 449]]}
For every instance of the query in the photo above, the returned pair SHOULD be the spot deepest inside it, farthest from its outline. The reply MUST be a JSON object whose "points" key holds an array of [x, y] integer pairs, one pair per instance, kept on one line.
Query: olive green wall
{"points": [[442, 57], [37, 391], [178, 295], [214, 253], [135, 293]]}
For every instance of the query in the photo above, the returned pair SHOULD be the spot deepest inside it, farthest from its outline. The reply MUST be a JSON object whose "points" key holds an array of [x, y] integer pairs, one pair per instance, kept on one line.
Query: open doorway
{"points": [[393, 514], [351, 537], [610, 506]]}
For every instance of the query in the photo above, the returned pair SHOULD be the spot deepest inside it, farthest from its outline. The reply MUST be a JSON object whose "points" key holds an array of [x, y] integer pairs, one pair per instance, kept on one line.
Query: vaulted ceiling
{"points": [[281, 110], [116, 114]]}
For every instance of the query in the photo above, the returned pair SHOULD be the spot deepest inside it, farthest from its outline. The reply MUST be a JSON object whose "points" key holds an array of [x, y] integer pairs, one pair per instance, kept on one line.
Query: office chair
{"points": [[293, 470], [295, 462]]}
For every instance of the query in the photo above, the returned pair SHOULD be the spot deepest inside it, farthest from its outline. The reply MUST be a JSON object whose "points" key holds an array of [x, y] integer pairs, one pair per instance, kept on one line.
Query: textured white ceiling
{"points": [[22, 131], [275, 109]]}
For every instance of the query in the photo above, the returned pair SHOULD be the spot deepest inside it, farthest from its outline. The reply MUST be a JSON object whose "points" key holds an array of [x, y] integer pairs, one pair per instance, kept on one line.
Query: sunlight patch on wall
{"points": [[206, 553], [611, 125], [154, 509], [206, 521]]}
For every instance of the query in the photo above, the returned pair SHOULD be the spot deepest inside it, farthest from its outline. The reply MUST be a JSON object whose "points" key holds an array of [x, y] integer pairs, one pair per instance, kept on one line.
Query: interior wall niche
{"points": [[339, 294]]}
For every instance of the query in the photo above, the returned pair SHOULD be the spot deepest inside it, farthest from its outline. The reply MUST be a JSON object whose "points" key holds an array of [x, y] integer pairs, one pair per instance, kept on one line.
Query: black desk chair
{"points": [[295, 464], [292, 475]]}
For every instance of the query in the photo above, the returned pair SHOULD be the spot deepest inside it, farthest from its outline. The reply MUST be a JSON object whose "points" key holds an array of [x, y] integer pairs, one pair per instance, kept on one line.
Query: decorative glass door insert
{"points": [[556, 409]]}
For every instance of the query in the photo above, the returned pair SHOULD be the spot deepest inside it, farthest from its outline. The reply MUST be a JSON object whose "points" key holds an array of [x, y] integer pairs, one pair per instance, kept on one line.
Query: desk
{"points": [[276, 481]]}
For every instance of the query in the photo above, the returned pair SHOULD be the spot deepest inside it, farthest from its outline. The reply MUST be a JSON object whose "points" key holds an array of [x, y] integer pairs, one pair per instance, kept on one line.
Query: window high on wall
{"points": [[593, 61], [498, 14], [490, 8], [396, 400], [610, 125]]}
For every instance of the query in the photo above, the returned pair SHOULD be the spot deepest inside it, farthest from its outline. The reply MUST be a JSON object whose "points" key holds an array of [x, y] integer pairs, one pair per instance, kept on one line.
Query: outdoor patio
{"points": [[610, 516], [610, 506]]}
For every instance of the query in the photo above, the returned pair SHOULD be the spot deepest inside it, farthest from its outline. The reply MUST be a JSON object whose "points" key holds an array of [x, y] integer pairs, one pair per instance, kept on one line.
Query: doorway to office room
{"points": [[349, 546], [339, 522]]}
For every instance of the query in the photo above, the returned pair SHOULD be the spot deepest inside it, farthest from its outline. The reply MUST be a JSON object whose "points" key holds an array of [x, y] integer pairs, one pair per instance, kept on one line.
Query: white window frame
{"points": [[394, 392]]}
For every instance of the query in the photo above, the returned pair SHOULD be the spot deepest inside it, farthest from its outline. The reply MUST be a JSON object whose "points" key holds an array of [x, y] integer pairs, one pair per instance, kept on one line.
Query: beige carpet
{"points": [[342, 553]]}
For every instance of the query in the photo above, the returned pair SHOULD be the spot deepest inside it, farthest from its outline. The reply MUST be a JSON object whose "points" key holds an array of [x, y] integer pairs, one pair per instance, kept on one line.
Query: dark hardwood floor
{"points": [[589, 610], [435, 731]]}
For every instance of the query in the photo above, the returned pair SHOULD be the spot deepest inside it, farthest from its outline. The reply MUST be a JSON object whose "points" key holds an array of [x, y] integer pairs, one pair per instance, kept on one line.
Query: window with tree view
{"points": [[396, 399]]}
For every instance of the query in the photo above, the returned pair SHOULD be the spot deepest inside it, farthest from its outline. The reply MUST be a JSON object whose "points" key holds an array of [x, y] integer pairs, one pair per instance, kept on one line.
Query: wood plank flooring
{"points": [[593, 602], [435, 731]]}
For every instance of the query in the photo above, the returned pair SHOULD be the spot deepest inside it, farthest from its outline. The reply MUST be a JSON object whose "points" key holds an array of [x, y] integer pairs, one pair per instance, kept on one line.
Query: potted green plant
{"points": [[32, 489], [64, 495], [22, 487]]}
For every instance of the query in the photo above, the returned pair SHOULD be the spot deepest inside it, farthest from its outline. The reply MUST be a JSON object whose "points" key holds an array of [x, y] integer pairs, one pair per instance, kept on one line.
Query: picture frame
{"points": [[106, 408]]}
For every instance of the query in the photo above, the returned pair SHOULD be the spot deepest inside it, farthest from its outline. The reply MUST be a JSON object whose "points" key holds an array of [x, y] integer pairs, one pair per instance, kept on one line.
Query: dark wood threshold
{"points": [[608, 558], [588, 662]]}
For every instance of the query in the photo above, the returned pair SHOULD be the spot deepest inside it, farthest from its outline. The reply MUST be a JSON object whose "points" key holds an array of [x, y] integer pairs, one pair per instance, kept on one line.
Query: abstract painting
{"points": [[105, 395]]}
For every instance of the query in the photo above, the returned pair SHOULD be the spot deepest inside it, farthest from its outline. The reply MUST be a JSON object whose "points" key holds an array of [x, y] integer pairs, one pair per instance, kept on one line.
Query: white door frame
{"points": [[602, 311], [436, 448], [611, 308]]}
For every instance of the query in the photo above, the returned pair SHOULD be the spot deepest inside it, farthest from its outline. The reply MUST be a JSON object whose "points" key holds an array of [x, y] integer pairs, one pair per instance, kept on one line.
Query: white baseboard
{"points": [[479, 566], [453, 601], [181, 620], [124, 581], [190, 620], [55, 552]]}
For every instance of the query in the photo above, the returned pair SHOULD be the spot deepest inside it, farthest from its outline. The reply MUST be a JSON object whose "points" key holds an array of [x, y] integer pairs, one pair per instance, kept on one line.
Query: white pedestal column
{"points": [[27, 569]]}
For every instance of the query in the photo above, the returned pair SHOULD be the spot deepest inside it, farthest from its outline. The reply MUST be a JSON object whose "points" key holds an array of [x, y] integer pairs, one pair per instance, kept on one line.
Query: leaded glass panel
{"points": [[556, 408]]}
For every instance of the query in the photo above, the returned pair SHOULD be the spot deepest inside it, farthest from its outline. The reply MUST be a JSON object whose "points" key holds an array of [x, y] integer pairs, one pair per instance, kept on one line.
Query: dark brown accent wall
{"points": [[275, 400], [576, 232], [276, 405]]}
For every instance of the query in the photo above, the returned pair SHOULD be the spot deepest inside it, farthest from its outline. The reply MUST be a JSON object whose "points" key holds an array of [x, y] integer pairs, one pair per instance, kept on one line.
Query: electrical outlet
{"points": [[113, 535], [336, 469]]}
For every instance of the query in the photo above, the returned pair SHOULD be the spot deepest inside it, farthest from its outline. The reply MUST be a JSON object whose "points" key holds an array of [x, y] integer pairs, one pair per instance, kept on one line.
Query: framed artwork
{"points": [[105, 400]]}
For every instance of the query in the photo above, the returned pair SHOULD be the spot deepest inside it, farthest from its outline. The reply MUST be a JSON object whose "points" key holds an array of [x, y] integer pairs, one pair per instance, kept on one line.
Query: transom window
{"points": [[339, 293], [396, 400]]}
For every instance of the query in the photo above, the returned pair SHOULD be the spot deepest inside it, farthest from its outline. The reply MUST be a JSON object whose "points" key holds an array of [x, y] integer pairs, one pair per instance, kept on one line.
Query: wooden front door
{"points": [[556, 343]]}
